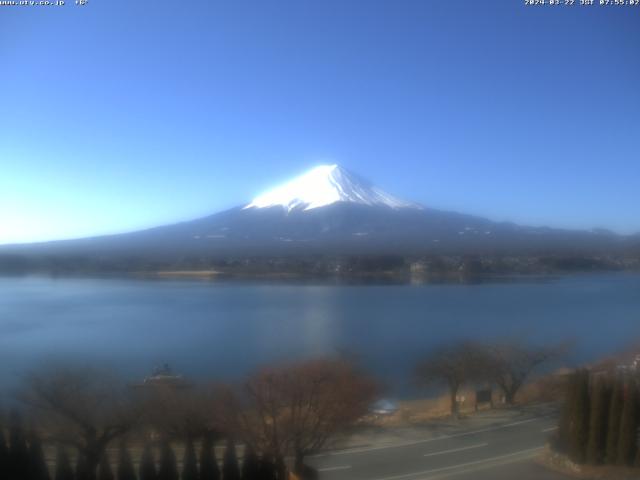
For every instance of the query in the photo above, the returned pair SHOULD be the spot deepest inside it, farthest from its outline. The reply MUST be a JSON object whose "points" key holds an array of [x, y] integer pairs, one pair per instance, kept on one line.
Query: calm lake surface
{"points": [[223, 330]]}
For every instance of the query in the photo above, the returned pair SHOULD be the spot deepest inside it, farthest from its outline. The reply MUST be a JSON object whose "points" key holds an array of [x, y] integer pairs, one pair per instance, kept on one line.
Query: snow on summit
{"points": [[324, 185]]}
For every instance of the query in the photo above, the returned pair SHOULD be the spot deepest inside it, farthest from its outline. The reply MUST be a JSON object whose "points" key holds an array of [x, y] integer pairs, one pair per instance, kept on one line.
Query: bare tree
{"points": [[83, 408], [299, 408], [452, 365], [509, 364], [325, 397], [184, 412]]}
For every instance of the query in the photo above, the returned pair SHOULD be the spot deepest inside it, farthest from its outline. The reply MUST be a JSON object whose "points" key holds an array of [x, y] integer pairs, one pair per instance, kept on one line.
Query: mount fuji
{"points": [[325, 185], [326, 211]]}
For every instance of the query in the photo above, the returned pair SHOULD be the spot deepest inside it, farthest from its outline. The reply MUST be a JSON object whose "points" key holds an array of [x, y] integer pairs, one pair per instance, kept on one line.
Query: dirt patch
{"points": [[561, 464]]}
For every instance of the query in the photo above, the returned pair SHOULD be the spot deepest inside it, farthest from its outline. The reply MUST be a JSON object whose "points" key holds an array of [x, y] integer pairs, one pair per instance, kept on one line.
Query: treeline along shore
{"points": [[397, 267]]}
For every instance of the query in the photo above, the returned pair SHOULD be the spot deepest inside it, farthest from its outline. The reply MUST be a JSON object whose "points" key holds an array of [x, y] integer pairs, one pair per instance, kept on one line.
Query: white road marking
{"points": [[479, 463], [486, 466], [429, 440], [333, 469], [453, 450], [550, 429]]}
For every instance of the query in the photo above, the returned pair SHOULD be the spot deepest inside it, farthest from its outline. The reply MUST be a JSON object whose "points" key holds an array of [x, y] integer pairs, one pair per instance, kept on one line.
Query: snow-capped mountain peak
{"points": [[324, 185]]}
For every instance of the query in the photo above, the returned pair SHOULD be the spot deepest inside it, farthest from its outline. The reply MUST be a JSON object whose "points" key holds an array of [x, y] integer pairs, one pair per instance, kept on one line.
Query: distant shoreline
{"points": [[396, 269], [214, 277]]}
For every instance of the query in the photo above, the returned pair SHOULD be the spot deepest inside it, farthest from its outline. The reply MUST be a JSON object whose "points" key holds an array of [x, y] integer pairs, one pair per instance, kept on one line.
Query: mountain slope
{"points": [[328, 211]]}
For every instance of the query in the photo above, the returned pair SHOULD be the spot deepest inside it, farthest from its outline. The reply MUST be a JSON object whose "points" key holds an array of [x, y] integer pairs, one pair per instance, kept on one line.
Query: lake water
{"points": [[223, 330]]}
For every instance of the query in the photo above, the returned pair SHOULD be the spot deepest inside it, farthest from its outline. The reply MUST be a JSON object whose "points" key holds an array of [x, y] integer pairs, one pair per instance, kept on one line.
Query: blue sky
{"points": [[120, 115]]}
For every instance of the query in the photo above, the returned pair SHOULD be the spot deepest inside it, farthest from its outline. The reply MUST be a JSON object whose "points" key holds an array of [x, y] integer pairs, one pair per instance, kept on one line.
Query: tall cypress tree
{"points": [[4, 455], [148, 464], [601, 397], [104, 468], [168, 467], [563, 435], [18, 450], [281, 469], [628, 436], [250, 464], [209, 469], [82, 472], [63, 465], [125, 469], [230, 467], [613, 423], [189, 462], [38, 469], [579, 424], [266, 468]]}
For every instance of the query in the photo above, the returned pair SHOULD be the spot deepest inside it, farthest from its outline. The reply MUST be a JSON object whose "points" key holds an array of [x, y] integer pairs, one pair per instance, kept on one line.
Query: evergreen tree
{"points": [[148, 464], [81, 467], [563, 434], [4, 455], [613, 423], [189, 462], [38, 469], [168, 467], [250, 464], [209, 469], [230, 468], [266, 469], [18, 450], [104, 468], [579, 424], [601, 397], [281, 469], [628, 436], [126, 470], [63, 465]]}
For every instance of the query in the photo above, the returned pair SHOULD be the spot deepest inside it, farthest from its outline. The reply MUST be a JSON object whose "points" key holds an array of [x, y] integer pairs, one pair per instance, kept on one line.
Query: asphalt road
{"points": [[497, 451]]}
